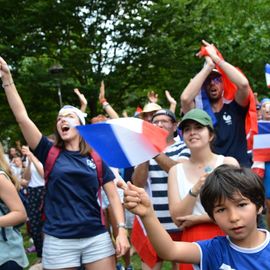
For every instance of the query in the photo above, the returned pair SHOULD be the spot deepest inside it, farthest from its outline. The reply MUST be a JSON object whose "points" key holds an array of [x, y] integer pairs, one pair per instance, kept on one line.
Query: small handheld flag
{"points": [[267, 75]]}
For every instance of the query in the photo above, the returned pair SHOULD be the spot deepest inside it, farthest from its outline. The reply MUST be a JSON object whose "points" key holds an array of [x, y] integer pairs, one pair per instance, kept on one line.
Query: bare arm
{"points": [[165, 162], [83, 100], [38, 165], [30, 131], [27, 172], [10, 197], [122, 244], [106, 106], [138, 202], [178, 207], [171, 100], [194, 86], [140, 174]]}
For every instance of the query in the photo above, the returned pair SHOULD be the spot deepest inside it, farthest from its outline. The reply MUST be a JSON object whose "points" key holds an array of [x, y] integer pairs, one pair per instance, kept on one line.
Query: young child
{"points": [[233, 197]]}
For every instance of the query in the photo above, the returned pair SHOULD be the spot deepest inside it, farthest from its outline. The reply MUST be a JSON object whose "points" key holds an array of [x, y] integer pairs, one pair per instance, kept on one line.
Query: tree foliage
{"points": [[136, 46]]}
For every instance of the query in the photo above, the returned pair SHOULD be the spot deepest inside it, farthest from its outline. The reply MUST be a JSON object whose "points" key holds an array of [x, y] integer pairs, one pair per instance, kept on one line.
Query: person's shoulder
{"points": [[231, 161], [218, 243]]}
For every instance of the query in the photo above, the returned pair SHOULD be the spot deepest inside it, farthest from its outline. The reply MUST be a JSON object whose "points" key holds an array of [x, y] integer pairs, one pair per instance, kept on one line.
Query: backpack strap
{"points": [[53, 154], [50, 161], [98, 162]]}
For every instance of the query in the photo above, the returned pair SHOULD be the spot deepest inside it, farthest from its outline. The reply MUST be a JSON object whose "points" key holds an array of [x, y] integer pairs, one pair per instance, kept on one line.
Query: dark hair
{"points": [[225, 181]]}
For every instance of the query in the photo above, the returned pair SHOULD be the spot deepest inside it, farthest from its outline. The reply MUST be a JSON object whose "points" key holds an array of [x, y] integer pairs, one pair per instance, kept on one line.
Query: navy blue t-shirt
{"points": [[230, 133], [71, 206]]}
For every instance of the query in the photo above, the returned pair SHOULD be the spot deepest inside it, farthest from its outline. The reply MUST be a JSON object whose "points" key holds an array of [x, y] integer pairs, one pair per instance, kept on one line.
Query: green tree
{"points": [[136, 46]]}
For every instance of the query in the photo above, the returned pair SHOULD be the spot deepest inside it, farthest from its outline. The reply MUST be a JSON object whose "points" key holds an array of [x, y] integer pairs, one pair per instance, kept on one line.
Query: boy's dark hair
{"points": [[225, 181]]}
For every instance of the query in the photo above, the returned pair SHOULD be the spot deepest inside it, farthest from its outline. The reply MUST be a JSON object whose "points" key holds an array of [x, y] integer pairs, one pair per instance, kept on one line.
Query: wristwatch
{"points": [[122, 225]]}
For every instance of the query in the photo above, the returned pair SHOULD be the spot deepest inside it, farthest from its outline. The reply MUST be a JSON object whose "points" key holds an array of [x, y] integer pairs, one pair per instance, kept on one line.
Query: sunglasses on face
{"points": [[213, 79]]}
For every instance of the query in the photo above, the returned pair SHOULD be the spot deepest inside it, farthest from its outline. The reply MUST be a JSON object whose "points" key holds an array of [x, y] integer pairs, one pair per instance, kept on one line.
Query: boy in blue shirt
{"points": [[233, 197]]}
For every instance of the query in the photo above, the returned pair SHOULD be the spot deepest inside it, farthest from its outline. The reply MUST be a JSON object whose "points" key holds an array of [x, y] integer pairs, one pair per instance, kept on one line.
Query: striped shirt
{"points": [[158, 184]]}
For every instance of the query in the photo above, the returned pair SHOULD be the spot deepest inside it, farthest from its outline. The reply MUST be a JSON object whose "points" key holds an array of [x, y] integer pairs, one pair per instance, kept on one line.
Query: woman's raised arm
{"points": [[30, 131]]}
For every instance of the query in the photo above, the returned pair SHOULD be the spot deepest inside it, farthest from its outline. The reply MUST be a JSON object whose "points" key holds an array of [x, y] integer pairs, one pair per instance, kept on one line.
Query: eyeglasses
{"points": [[162, 121], [213, 79]]}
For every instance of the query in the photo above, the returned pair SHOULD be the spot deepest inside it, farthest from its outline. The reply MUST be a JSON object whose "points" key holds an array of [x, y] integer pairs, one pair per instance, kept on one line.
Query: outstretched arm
{"points": [[106, 106], [140, 174], [30, 131], [165, 162], [138, 202]]}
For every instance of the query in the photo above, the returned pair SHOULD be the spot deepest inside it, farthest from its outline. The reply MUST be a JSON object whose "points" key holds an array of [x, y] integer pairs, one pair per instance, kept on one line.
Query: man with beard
{"points": [[230, 125]]}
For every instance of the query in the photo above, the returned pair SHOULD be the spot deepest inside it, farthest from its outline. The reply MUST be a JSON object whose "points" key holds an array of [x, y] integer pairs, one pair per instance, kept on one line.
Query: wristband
{"points": [[8, 84], [192, 194], [220, 62], [105, 105], [122, 225], [102, 101]]}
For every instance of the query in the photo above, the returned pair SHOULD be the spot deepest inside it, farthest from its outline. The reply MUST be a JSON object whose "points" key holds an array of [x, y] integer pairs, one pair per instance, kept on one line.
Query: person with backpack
{"points": [[12, 213], [73, 228]]}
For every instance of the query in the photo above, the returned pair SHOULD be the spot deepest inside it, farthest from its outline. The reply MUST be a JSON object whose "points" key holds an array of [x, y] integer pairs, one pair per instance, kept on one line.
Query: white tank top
{"points": [[184, 185]]}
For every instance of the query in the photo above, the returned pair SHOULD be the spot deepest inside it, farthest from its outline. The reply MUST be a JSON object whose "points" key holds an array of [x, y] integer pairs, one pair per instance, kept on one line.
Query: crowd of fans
{"points": [[206, 155]]}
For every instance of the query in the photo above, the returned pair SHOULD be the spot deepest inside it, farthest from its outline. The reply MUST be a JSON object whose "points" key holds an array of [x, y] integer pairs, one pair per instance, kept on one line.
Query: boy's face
{"points": [[238, 219]]}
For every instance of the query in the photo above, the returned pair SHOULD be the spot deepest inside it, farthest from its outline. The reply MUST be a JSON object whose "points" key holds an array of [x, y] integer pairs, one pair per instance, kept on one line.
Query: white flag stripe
{"points": [[261, 141]]}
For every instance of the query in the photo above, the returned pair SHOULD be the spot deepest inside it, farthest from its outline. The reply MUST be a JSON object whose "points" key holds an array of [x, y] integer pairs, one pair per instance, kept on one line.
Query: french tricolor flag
{"points": [[125, 142], [261, 144], [202, 102], [261, 147], [267, 75]]}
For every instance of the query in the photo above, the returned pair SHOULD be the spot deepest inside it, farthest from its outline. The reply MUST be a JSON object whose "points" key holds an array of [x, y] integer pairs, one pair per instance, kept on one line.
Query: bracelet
{"points": [[220, 62], [192, 194], [122, 225], [105, 105], [102, 101], [8, 84]]}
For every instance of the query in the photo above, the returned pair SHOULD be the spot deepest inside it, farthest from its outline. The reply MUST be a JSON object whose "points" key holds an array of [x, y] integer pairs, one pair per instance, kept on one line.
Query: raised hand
{"points": [[170, 99], [136, 199], [152, 96], [101, 96], [83, 100]]}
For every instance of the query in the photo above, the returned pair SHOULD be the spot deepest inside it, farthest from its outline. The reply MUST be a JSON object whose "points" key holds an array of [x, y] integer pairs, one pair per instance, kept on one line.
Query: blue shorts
{"points": [[67, 253]]}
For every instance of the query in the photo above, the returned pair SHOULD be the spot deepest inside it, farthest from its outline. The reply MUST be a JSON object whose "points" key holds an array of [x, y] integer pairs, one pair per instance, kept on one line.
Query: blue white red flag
{"points": [[125, 142], [261, 144], [202, 102], [267, 75], [263, 127]]}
